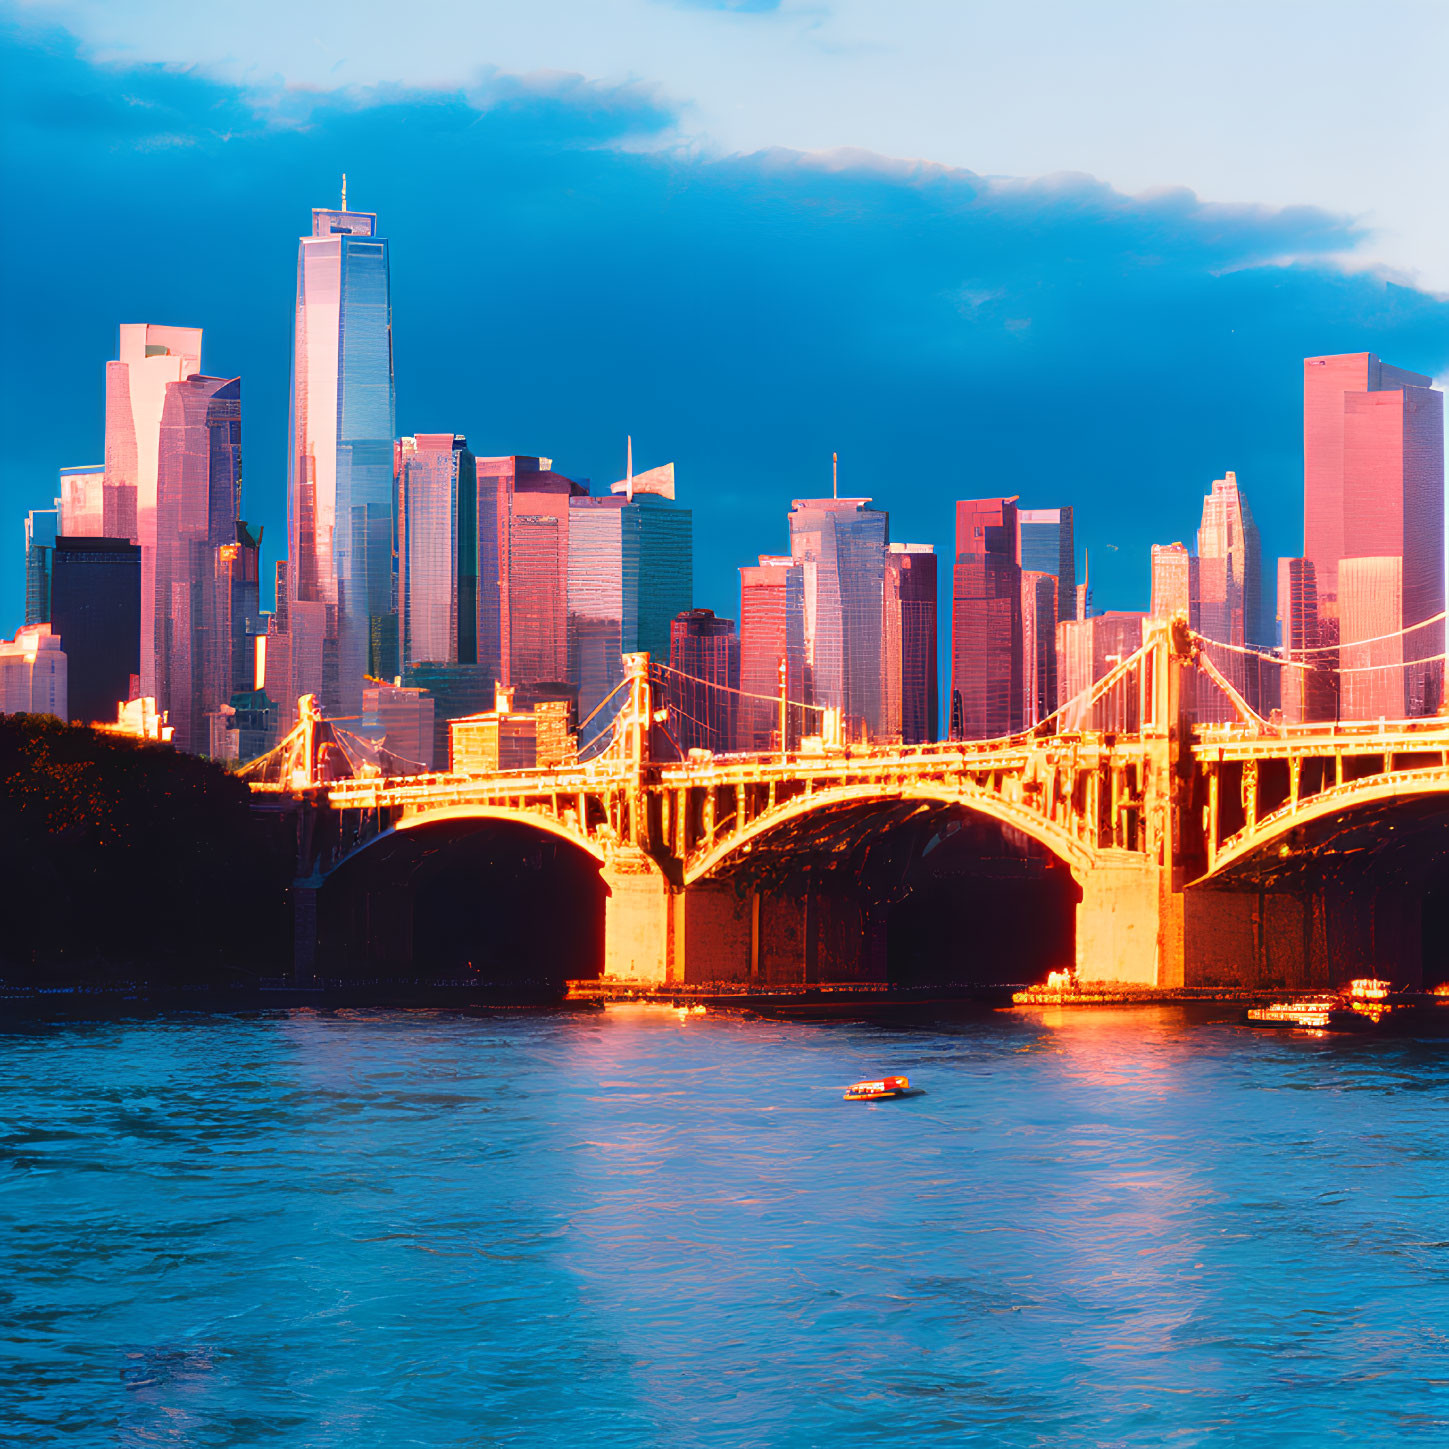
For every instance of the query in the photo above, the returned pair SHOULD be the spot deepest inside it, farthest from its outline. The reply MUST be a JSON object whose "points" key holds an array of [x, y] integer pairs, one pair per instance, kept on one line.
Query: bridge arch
{"points": [[467, 895], [992, 805]]}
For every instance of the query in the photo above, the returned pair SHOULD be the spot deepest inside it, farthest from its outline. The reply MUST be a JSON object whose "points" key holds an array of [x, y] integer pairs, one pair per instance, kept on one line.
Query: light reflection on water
{"points": [[396, 1228]]}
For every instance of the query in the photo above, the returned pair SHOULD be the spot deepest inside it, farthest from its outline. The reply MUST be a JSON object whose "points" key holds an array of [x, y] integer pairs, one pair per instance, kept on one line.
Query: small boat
{"points": [[882, 1090]]}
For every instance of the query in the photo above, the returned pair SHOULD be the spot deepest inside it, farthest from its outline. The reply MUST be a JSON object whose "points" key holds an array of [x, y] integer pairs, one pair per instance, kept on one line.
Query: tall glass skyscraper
{"points": [[909, 707], [772, 629], [437, 550], [537, 584], [151, 358], [840, 544], [986, 661], [1230, 593], [198, 495], [42, 525], [91, 507], [1048, 546], [703, 702], [96, 610], [340, 497]]}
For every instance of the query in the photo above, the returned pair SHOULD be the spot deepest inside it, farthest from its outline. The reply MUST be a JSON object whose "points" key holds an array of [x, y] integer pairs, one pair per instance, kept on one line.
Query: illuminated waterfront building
{"points": [[630, 571], [910, 710], [151, 358], [704, 652], [1310, 692], [437, 550], [198, 494], [1175, 583], [772, 629], [840, 544], [1088, 649], [986, 655], [537, 582], [42, 527], [1047, 545], [1373, 489], [1230, 591], [33, 673], [1039, 610], [96, 610], [93, 507], [340, 495]]}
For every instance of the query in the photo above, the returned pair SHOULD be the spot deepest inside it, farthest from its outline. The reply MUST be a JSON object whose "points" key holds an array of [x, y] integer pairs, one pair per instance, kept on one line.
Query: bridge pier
{"points": [[638, 919], [1129, 923]]}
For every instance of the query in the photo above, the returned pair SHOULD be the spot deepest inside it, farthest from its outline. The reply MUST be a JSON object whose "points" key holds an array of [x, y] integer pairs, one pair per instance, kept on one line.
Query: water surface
{"points": [[627, 1228]]}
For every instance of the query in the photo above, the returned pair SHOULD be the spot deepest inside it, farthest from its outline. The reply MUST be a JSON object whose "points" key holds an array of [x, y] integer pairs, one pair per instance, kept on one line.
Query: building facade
{"points": [[96, 611], [340, 493], [986, 650], [910, 709], [437, 533], [42, 528], [1039, 609], [772, 633], [1047, 545], [703, 698], [151, 359], [33, 673]]}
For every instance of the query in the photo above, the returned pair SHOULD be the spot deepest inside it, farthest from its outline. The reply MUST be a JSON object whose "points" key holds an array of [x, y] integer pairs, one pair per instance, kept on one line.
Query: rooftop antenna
{"points": [[629, 469], [344, 191], [835, 475]]}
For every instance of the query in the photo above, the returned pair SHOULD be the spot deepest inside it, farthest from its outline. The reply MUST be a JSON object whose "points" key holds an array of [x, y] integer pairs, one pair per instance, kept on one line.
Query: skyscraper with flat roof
{"points": [[1373, 488], [986, 654], [1039, 610], [772, 629], [96, 610], [33, 673], [702, 691], [840, 544], [437, 534], [151, 358], [42, 526], [198, 497], [90, 507], [1047, 545], [538, 572], [910, 710], [1230, 593], [340, 494]]}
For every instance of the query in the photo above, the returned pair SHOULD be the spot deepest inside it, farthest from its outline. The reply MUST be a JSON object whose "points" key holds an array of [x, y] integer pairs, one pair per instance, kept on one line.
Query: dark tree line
{"points": [[121, 860]]}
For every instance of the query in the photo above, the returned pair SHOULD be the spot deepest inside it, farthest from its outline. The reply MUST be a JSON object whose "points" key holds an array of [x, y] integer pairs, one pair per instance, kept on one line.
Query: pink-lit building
{"points": [[437, 542], [151, 359], [703, 698], [1308, 688], [90, 507], [1230, 591], [1039, 611], [1373, 476], [33, 673], [198, 495], [986, 648], [910, 710], [1087, 651], [1175, 583], [772, 628]]}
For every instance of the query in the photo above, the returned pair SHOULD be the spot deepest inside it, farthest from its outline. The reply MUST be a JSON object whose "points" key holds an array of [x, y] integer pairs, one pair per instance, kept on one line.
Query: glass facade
{"points": [[772, 628], [703, 702], [986, 655], [840, 544], [151, 358], [1039, 610], [1230, 591], [96, 610], [90, 507], [42, 527], [1087, 651], [437, 550], [538, 573], [198, 495], [909, 707], [340, 486], [603, 601], [33, 673], [1046, 544], [1312, 693]]}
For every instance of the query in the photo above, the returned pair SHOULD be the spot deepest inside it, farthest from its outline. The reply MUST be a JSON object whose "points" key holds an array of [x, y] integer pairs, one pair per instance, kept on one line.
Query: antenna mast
{"points": [[629, 469], [344, 191], [835, 475]]}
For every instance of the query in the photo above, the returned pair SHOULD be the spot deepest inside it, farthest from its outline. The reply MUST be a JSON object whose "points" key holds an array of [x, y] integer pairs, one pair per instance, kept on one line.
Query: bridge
{"points": [[1155, 853]]}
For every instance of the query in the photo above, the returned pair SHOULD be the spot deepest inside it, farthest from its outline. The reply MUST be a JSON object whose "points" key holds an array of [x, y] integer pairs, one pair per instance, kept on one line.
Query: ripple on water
{"points": [[416, 1228]]}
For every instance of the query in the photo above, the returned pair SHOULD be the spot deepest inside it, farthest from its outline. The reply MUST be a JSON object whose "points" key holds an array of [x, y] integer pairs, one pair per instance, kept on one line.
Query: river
{"points": [[631, 1228]]}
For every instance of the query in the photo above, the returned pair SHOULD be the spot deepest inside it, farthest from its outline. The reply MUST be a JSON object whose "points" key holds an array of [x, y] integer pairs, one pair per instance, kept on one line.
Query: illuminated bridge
{"points": [[1171, 855]]}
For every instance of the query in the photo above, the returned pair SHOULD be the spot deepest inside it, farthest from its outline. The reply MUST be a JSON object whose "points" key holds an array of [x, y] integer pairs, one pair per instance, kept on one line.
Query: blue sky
{"points": [[961, 253]]}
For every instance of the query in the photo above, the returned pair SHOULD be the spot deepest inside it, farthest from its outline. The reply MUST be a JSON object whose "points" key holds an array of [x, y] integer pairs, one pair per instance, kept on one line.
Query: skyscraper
{"points": [[1088, 650], [910, 711], [42, 526], [96, 610], [840, 544], [1373, 488], [702, 693], [666, 555], [1048, 546], [1230, 592], [1039, 610], [437, 550], [198, 495], [340, 496], [986, 662], [1175, 583], [772, 629], [1310, 690], [151, 358], [538, 572]]}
